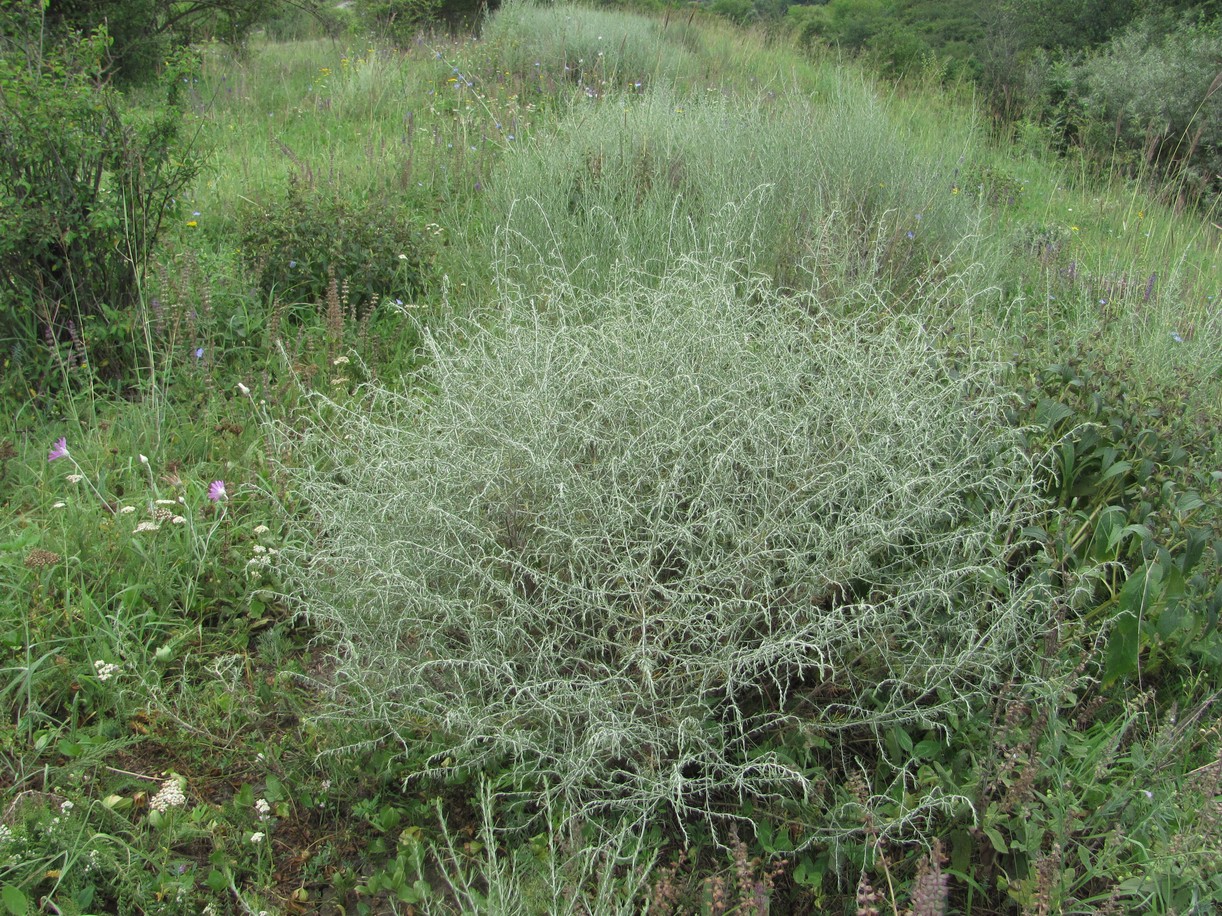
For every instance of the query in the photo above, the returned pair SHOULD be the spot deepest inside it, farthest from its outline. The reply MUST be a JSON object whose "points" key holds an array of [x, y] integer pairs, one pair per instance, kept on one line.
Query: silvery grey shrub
{"points": [[625, 546]]}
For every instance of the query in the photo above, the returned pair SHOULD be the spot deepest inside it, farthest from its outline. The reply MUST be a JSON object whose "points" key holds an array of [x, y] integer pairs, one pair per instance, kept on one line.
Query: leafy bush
{"points": [[298, 244], [1156, 92], [86, 180], [619, 555], [396, 21], [146, 32]]}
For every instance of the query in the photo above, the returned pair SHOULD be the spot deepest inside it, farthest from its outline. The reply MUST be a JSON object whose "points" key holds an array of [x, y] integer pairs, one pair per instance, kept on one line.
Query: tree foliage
{"points": [[85, 183], [142, 32]]}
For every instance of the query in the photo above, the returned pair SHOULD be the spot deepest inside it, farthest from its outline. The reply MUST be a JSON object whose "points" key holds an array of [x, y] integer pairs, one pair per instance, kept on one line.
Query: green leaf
{"points": [[1193, 548], [903, 739], [14, 900], [1188, 502], [1120, 467], [928, 749], [216, 881], [1123, 646], [996, 839], [1050, 413]]}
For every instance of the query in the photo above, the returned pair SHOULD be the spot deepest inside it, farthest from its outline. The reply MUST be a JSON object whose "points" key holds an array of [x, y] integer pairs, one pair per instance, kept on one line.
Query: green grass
{"points": [[1091, 780]]}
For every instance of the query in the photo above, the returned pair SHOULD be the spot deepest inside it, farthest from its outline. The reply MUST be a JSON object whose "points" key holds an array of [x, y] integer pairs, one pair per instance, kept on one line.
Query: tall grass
{"points": [[825, 195], [598, 51]]}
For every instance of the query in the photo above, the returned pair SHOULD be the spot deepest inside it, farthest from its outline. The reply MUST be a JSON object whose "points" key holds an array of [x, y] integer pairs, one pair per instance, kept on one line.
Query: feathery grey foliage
{"points": [[623, 537]]}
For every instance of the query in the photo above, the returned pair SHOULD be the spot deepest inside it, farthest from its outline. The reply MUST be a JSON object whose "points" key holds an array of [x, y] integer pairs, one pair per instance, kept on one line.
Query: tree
{"points": [[85, 182], [142, 32]]}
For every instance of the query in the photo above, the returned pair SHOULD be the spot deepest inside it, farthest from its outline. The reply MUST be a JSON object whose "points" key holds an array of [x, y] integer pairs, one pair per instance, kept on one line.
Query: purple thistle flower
{"points": [[60, 449], [216, 492]]}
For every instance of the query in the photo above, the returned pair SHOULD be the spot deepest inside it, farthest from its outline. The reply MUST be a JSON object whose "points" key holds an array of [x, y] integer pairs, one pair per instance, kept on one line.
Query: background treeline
{"points": [[1134, 83]]}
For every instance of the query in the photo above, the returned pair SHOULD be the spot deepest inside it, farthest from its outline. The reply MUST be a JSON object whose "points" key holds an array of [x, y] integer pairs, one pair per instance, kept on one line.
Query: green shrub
{"points": [[629, 543], [396, 21], [1155, 93], [298, 243], [86, 180]]}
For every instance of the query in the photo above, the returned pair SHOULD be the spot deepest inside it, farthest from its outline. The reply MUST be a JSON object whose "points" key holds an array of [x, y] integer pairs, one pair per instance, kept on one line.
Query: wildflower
{"points": [[262, 808], [164, 502], [105, 670], [242, 388], [216, 492], [261, 529], [127, 510], [191, 224], [75, 478], [59, 450], [911, 234], [292, 265], [169, 796], [178, 520], [1175, 335], [59, 505], [66, 806], [340, 361], [199, 352], [257, 837], [147, 526], [1073, 228]]}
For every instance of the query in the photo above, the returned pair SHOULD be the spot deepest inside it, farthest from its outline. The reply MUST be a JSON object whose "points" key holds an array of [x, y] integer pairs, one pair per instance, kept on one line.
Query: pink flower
{"points": [[60, 450], [216, 492]]}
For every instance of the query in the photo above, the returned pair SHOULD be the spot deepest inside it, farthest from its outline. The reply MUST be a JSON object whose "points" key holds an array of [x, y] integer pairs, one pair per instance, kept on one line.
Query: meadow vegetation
{"points": [[619, 463]]}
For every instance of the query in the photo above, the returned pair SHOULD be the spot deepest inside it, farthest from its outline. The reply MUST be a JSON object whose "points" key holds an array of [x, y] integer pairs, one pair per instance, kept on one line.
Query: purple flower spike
{"points": [[60, 449], [216, 492]]}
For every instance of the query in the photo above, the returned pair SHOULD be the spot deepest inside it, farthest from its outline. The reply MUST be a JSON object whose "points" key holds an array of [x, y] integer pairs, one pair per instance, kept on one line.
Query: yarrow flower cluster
{"points": [[263, 809], [261, 560], [106, 670], [169, 796]]}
